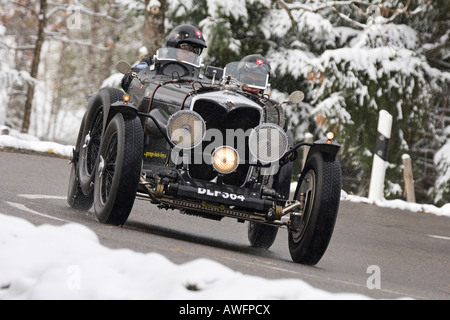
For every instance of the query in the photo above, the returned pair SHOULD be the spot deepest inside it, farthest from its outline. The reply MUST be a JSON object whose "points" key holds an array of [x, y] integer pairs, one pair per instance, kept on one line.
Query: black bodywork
{"points": [[121, 131]]}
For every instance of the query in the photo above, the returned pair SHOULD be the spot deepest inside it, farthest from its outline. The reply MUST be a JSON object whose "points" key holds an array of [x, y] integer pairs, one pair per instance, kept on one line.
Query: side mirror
{"points": [[123, 67], [214, 73], [296, 97]]}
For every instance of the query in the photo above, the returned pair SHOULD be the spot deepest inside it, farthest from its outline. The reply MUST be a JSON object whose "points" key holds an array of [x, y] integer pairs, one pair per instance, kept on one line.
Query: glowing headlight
{"points": [[186, 129], [225, 160], [268, 142], [330, 137]]}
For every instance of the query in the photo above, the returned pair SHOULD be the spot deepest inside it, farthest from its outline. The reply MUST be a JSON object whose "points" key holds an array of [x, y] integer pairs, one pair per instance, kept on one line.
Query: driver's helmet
{"points": [[255, 71], [187, 37]]}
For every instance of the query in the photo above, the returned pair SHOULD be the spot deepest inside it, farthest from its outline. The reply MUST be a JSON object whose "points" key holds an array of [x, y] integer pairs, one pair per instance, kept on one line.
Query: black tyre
{"points": [[118, 174], [261, 235], [320, 183], [75, 196], [92, 136]]}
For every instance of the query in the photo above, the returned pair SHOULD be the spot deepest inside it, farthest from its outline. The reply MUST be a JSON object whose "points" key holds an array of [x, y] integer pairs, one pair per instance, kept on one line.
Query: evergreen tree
{"points": [[232, 29], [352, 59]]}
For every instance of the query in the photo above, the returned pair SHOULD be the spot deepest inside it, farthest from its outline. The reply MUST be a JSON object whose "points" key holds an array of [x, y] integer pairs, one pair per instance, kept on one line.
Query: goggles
{"points": [[187, 47], [254, 67]]}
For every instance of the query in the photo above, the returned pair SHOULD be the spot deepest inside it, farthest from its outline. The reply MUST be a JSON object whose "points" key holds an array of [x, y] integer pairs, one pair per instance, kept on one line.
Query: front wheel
{"points": [[320, 189], [119, 169]]}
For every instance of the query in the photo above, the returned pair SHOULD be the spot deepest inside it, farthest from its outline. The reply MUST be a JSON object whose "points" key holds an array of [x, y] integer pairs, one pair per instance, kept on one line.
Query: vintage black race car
{"points": [[208, 146]]}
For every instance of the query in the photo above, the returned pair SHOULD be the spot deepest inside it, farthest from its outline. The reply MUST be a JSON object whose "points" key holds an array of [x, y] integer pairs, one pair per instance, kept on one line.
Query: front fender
{"points": [[330, 148], [118, 107]]}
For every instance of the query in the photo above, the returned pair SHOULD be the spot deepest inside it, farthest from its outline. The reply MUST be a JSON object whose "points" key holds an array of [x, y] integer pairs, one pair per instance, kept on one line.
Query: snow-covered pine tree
{"points": [[232, 29], [352, 59], [355, 60], [433, 27]]}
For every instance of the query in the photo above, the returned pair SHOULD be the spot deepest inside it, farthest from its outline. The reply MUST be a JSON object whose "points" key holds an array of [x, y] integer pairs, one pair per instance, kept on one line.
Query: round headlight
{"points": [[268, 142], [186, 129], [225, 160]]}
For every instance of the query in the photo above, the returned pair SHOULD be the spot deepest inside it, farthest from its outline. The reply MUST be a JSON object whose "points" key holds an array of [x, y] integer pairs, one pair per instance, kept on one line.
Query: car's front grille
{"points": [[234, 123]]}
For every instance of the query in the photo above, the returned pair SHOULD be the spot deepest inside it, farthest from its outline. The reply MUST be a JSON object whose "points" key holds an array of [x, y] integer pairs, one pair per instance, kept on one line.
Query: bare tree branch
{"points": [[288, 11], [322, 5], [104, 15], [27, 8], [62, 38], [19, 48], [347, 18], [317, 6], [399, 11], [82, 9]]}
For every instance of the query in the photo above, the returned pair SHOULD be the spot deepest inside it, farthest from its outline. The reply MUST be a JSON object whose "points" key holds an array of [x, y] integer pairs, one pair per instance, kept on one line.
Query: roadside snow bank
{"points": [[68, 262], [401, 205], [21, 141], [39, 146]]}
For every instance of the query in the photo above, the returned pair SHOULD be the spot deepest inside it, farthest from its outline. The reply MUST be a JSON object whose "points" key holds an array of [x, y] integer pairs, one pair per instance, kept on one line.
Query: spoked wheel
{"points": [[92, 137], [119, 169], [93, 145], [319, 189]]}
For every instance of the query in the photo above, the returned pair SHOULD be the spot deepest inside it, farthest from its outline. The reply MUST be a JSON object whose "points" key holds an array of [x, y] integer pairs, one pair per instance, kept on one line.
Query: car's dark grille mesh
{"points": [[222, 118]]}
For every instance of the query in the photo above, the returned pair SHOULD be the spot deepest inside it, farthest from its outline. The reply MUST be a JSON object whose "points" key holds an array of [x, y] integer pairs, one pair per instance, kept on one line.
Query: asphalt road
{"points": [[381, 253]]}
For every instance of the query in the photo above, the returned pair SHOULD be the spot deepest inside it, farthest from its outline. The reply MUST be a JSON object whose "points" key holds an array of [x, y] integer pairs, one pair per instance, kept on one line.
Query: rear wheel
{"points": [[92, 137], [261, 235], [75, 196], [320, 186], [119, 169]]}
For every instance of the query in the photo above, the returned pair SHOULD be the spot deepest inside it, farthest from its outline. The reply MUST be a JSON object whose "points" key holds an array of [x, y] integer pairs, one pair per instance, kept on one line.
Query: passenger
{"points": [[255, 73]]}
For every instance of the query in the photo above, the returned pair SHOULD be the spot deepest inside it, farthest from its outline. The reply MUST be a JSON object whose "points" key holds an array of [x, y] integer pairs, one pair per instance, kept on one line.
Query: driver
{"points": [[186, 37], [255, 70]]}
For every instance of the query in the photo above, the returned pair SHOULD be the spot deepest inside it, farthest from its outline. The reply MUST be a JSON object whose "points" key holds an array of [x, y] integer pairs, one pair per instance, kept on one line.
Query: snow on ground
{"points": [[401, 205], [17, 140], [68, 262]]}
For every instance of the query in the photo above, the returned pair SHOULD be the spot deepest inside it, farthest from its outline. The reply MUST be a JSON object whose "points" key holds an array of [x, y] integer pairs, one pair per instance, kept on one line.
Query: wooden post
{"points": [[409, 180]]}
